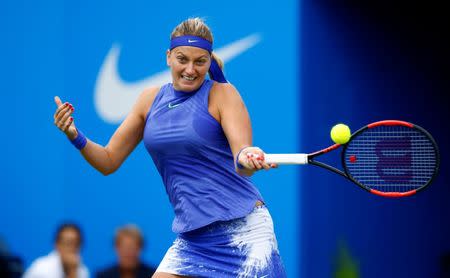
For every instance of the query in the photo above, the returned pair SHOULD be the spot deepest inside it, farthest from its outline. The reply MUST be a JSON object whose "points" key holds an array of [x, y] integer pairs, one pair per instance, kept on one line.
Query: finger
{"points": [[261, 160], [65, 116], [259, 155], [256, 162], [248, 161], [62, 116], [245, 158], [61, 121], [252, 165], [274, 165], [58, 101], [67, 124], [259, 163], [60, 109], [66, 108], [265, 165]]}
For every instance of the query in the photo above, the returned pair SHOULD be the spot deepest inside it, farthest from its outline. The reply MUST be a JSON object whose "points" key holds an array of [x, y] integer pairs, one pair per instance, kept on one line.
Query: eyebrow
{"points": [[202, 56]]}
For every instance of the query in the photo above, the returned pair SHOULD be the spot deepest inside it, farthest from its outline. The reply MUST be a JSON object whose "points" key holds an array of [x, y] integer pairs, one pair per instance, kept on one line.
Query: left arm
{"points": [[235, 121]]}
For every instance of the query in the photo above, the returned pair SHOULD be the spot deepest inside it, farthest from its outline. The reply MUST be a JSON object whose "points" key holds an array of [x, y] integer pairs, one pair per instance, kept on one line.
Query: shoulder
{"points": [[43, 265], [225, 96], [149, 94], [146, 270], [108, 272], [145, 100], [222, 93], [83, 271], [223, 88]]}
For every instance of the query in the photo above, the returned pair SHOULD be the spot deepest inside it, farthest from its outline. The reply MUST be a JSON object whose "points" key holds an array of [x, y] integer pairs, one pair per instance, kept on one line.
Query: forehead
{"points": [[190, 51], [127, 238], [68, 233]]}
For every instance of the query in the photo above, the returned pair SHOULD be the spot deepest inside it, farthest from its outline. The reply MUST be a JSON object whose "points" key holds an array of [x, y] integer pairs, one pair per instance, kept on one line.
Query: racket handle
{"points": [[290, 158]]}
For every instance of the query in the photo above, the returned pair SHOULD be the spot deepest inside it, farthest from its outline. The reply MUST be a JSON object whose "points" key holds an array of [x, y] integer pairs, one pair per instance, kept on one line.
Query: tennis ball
{"points": [[340, 134]]}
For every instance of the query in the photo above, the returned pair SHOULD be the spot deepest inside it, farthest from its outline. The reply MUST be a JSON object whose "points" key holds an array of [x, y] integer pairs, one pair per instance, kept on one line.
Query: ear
{"points": [[168, 57]]}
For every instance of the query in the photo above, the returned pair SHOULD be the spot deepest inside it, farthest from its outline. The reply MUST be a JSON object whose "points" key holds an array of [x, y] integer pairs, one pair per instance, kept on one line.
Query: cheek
{"points": [[175, 68], [204, 70]]}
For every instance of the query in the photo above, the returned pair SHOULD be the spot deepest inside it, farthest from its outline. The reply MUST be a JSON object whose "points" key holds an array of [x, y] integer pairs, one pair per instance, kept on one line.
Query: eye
{"points": [[182, 59], [200, 62]]}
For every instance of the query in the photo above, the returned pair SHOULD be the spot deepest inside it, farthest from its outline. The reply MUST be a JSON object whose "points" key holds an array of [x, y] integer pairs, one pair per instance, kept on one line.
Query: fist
{"points": [[252, 158], [63, 118]]}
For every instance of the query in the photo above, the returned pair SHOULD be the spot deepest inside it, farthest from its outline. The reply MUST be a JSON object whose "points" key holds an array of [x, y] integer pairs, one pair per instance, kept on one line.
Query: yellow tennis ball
{"points": [[340, 134]]}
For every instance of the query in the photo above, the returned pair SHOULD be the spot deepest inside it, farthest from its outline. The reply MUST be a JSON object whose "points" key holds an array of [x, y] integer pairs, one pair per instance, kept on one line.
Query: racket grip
{"points": [[291, 158]]}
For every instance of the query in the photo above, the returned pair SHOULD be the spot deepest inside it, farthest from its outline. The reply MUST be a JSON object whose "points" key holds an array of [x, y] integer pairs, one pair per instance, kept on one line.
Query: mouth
{"points": [[188, 78]]}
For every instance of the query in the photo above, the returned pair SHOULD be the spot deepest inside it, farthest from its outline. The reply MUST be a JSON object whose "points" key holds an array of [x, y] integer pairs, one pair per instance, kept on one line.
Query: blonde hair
{"points": [[130, 230], [196, 27]]}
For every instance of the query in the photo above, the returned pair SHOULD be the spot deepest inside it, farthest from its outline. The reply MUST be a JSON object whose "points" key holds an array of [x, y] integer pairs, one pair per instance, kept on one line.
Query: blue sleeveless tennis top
{"points": [[194, 159]]}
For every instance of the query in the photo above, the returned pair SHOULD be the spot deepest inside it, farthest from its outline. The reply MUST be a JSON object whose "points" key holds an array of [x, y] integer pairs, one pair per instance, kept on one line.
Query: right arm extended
{"points": [[109, 158]]}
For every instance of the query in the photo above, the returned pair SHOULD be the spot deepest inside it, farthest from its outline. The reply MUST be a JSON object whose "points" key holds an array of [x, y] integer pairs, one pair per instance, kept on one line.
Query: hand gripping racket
{"points": [[387, 158]]}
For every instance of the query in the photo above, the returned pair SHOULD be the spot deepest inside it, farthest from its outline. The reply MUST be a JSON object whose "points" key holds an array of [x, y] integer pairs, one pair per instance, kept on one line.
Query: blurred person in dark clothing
{"points": [[10, 266], [128, 244]]}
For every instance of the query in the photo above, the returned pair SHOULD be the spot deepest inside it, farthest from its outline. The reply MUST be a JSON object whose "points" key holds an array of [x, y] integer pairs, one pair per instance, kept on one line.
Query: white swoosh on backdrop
{"points": [[114, 97]]}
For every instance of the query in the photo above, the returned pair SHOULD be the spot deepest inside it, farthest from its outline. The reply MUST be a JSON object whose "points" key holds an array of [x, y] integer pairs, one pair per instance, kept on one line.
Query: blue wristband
{"points": [[239, 165], [80, 141]]}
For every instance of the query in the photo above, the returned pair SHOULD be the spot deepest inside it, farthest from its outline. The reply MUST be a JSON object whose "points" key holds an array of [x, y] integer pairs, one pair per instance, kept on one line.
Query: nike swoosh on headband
{"points": [[114, 97]]}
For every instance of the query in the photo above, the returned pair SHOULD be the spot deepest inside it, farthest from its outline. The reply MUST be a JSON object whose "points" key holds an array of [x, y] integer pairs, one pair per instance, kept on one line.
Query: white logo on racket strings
{"points": [[113, 97]]}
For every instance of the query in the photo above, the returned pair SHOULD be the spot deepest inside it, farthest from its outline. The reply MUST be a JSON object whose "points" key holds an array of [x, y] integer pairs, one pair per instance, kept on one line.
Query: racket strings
{"points": [[391, 158]]}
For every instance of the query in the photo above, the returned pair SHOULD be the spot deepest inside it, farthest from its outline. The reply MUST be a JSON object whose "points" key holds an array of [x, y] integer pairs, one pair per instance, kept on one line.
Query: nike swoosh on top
{"points": [[173, 105], [114, 97]]}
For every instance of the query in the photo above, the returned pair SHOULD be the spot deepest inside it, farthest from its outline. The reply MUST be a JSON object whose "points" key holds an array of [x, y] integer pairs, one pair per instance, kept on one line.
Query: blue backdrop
{"points": [[53, 48]]}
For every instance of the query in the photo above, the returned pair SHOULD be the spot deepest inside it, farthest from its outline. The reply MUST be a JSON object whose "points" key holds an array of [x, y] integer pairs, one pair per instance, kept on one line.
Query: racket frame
{"points": [[391, 123]]}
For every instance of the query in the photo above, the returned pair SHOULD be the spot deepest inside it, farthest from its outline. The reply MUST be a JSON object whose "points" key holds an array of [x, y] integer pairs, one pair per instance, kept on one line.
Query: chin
{"points": [[189, 87], [128, 266]]}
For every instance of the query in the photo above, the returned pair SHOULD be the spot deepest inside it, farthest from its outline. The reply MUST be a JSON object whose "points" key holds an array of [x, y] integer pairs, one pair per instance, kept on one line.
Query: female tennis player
{"points": [[199, 136]]}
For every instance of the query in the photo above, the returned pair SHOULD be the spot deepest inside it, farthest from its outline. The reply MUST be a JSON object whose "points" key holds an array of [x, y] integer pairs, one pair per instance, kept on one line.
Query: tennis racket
{"points": [[387, 158]]}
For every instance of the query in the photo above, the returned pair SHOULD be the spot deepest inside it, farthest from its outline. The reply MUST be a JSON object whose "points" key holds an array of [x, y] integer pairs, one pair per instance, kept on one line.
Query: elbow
{"points": [[109, 167], [107, 171]]}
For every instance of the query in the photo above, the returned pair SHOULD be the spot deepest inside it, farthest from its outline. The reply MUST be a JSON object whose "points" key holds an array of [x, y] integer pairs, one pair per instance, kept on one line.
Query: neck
{"points": [[70, 272], [185, 92], [127, 273]]}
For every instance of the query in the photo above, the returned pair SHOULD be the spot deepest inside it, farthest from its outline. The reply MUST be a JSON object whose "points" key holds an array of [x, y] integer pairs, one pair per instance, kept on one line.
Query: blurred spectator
{"points": [[65, 260], [10, 266], [128, 243]]}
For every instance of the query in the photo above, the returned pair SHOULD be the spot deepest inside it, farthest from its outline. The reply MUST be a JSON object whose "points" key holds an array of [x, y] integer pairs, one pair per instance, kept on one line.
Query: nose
{"points": [[190, 69]]}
